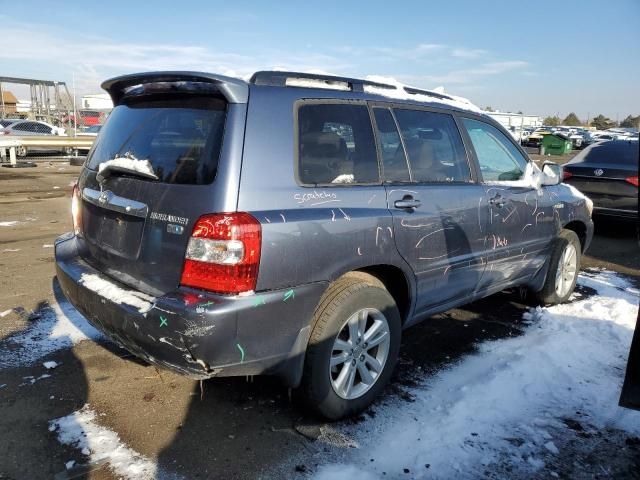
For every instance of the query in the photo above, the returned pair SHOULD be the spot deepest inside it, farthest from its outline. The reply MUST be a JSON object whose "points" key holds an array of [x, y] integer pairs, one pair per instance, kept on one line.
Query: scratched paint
{"points": [[346, 217], [432, 233], [289, 294], [259, 300], [163, 321], [378, 230]]}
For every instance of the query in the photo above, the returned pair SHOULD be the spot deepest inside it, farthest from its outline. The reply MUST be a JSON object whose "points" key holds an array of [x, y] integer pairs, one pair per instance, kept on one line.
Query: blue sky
{"points": [[542, 57]]}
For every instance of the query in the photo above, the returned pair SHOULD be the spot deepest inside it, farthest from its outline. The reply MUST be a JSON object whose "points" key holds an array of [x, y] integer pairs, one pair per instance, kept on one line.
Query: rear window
{"points": [[614, 152], [336, 145], [181, 137]]}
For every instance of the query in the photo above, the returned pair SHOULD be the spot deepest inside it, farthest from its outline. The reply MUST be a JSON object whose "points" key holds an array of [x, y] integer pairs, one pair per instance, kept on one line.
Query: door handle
{"points": [[408, 202], [498, 201]]}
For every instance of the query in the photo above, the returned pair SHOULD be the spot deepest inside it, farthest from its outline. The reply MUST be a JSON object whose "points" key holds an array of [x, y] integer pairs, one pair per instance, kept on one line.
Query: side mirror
{"points": [[553, 173]]}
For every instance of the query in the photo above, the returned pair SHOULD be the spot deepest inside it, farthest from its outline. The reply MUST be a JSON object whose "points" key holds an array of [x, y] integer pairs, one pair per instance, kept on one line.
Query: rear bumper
{"points": [[193, 332]]}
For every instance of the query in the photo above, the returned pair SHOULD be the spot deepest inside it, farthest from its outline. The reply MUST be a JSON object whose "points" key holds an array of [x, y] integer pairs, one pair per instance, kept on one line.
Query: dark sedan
{"points": [[607, 172]]}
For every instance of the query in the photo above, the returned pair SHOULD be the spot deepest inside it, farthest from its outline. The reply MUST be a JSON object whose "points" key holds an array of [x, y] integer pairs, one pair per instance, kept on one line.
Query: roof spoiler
{"points": [[233, 89]]}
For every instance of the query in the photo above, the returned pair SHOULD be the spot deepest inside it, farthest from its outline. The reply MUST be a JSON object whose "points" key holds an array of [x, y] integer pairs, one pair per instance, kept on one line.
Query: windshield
{"points": [[180, 136]]}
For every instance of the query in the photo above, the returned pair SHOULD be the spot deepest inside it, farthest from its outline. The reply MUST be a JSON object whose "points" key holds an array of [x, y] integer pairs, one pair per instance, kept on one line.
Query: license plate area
{"points": [[115, 232]]}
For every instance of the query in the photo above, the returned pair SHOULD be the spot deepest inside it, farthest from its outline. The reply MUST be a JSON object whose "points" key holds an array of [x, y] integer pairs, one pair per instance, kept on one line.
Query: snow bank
{"points": [[80, 430], [58, 326], [141, 166], [501, 404], [400, 94], [116, 294]]}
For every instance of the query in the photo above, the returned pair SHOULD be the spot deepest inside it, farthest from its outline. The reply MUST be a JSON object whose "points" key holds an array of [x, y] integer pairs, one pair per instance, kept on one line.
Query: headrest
{"points": [[430, 134], [323, 144]]}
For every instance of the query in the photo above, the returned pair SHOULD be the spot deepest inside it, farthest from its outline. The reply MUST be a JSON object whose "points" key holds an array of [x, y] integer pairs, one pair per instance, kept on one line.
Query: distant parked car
{"points": [[28, 128], [535, 139], [86, 118], [607, 172], [5, 122], [90, 131]]}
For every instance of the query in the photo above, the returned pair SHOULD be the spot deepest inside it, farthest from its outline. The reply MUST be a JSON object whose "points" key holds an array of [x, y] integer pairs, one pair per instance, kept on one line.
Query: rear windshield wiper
{"points": [[127, 164]]}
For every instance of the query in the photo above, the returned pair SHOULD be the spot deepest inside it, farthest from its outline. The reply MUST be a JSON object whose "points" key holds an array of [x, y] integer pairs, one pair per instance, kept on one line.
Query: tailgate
{"points": [[172, 143]]}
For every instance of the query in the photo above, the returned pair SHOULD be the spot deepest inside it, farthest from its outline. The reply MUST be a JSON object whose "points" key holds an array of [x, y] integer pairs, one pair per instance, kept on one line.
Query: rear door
{"points": [[136, 229], [434, 200], [521, 218]]}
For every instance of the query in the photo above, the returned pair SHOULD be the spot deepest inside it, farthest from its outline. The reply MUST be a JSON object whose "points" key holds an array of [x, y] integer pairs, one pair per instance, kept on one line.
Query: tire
{"points": [[351, 297], [21, 151], [551, 293]]}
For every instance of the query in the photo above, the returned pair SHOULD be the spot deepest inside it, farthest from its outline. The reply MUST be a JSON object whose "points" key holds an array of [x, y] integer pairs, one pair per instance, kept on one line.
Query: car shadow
{"points": [[243, 427], [615, 245], [33, 395]]}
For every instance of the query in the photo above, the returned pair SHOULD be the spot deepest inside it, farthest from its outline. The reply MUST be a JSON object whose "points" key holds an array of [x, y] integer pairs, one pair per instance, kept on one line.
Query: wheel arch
{"points": [[396, 281], [580, 229]]}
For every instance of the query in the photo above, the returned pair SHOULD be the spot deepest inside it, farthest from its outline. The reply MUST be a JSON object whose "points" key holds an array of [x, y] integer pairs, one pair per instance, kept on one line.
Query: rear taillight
{"points": [[566, 175], [223, 254], [76, 209], [632, 180]]}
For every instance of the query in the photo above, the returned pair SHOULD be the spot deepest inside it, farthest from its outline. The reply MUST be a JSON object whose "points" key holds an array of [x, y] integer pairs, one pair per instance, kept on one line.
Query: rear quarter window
{"points": [[181, 137], [335, 145]]}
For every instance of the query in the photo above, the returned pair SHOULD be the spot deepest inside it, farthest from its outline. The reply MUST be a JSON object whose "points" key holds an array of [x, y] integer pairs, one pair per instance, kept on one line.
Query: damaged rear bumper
{"points": [[193, 332]]}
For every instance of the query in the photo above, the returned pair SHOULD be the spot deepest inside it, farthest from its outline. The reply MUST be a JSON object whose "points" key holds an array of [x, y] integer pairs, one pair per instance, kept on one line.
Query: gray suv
{"points": [[297, 224]]}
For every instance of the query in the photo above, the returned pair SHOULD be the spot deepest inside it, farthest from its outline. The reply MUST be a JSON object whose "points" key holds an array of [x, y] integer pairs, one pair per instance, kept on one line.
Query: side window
{"points": [[40, 128], [394, 162], [499, 159], [21, 126], [336, 145], [434, 146]]}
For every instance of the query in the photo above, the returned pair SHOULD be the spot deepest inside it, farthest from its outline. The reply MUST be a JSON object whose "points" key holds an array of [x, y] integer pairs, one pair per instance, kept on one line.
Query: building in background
{"points": [[9, 103], [517, 120], [98, 101]]}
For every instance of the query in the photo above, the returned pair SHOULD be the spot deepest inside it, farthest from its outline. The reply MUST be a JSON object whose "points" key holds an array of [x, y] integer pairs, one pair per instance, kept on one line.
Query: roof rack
{"points": [[418, 91], [284, 79], [297, 79]]}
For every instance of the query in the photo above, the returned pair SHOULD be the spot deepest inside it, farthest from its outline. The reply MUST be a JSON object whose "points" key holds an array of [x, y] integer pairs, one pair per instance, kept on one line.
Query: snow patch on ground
{"points": [[116, 294], [55, 327], [9, 224], [50, 365], [501, 407], [81, 430]]}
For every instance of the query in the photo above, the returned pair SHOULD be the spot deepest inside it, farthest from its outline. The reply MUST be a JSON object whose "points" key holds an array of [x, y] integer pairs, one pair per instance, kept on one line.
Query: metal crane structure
{"points": [[50, 100]]}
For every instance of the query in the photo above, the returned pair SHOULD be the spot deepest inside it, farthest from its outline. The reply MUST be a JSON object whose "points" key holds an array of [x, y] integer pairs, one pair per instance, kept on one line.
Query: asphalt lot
{"points": [[232, 428]]}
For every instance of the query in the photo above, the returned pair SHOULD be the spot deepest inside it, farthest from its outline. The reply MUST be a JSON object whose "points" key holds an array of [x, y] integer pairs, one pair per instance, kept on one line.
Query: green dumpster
{"points": [[555, 145]]}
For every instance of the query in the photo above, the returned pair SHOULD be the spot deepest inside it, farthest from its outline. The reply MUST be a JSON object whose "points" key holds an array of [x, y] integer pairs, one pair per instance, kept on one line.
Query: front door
{"points": [[434, 202], [521, 218]]}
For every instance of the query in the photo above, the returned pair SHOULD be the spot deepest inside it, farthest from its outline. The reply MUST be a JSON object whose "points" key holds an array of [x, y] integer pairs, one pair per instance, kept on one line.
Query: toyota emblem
{"points": [[598, 172]]}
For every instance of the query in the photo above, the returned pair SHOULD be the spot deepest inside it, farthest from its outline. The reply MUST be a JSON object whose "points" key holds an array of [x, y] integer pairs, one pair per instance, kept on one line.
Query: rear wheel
{"points": [[21, 151], [563, 269], [353, 347]]}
